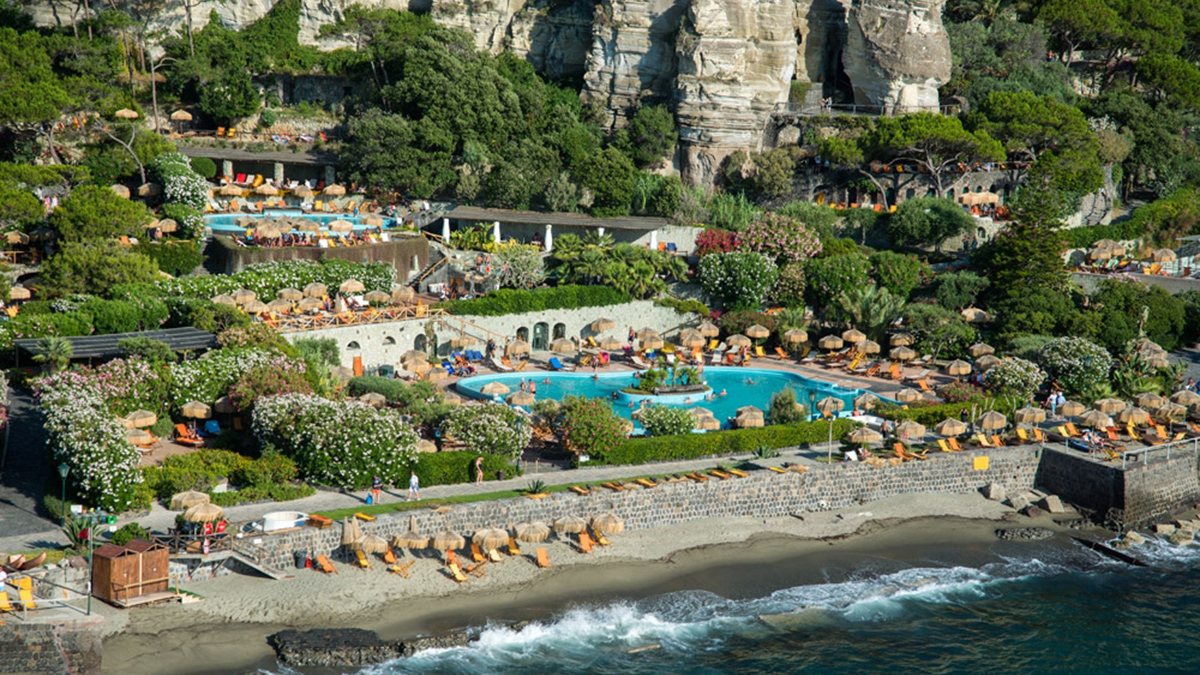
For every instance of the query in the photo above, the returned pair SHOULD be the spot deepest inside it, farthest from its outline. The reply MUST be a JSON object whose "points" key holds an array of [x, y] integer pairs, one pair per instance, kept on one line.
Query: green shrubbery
{"points": [[512, 301], [691, 446], [203, 469], [930, 415], [683, 306], [173, 257], [448, 468]]}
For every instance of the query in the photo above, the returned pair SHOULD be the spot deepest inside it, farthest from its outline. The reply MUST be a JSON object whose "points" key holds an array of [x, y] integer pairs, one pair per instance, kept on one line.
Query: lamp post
{"points": [[63, 470], [154, 87], [812, 403]]}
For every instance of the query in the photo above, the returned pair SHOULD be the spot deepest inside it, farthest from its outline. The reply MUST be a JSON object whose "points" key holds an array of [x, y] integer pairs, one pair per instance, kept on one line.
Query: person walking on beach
{"points": [[479, 470], [376, 489], [414, 488]]}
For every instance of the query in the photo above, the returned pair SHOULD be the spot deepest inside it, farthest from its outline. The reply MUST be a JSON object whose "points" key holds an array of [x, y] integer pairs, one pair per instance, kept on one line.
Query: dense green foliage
{"points": [[512, 301], [452, 467], [652, 449], [174, 257]]}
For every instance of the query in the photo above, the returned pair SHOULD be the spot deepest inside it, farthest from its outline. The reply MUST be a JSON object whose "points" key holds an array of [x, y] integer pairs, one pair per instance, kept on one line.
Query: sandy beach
{"points": [[732, 557]]}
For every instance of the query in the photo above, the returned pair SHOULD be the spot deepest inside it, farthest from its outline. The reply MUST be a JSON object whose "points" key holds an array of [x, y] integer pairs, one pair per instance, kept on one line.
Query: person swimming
{"points": [[723, 392]]}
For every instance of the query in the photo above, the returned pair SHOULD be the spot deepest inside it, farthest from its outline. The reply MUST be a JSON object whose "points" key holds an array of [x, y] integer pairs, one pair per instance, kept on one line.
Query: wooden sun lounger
{"points": [[543, 560], [585, 543], [697, 477], [402, 569], [389, 557], [600, 538], [360, 559], [325, 566], [646, 483], [580, 490], [5, 605], [476, 553], [720, 474], [513, 549], [738, 473]]}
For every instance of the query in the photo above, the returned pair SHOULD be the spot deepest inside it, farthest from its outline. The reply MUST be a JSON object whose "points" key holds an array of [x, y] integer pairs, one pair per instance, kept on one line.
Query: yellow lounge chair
{"points": [[456, 573], [982, 441], [943, 446], [1022, 435], [360, 559], [363, 516], [25, 592], [402, 570], [318, 205], [758, 351], [494, 555], [513, 549], [600, 538], [739, 473], [5, 605]]}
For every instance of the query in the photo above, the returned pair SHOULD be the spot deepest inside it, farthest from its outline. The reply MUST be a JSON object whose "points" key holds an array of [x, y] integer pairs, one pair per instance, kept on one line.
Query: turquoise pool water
{"points": [[742, 387], [226, 223]]}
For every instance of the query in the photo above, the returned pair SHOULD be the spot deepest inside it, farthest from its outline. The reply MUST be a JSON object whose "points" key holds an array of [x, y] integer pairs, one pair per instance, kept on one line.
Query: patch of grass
{"points": [[53, 555]]}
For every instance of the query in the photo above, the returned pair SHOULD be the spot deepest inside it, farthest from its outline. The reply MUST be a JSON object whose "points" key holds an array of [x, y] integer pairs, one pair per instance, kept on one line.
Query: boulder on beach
{"points": [[994, 492], [1032, 511], [1185, 526], [1164, 528], [330, 647], [1133, 537], [1018, 502], [1053, 505], [1181, 538]]}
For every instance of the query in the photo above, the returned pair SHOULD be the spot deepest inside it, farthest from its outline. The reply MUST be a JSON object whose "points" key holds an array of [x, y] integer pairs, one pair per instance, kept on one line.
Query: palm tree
{"points": [[55, 353], [870, 309]]}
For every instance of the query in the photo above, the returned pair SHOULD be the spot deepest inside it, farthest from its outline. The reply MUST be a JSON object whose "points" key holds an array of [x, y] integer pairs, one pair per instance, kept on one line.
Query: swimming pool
{"points": [[743, 387], [226, 223]]}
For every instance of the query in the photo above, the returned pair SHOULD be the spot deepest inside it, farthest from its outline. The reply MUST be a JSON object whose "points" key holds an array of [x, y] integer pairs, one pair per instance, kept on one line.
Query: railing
{"points": [[429, 271], [195, 544], [1146, 454], [809, 110], [288, 323]]}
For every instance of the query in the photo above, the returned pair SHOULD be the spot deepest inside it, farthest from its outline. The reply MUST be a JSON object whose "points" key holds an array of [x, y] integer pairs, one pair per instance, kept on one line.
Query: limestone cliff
{"points": [[897, 53]]}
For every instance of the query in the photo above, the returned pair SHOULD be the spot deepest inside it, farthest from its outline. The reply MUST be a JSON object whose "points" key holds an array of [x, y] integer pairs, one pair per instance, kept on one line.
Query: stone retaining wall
{"points": [[64, 646], [761, 494], [1160, 486]]}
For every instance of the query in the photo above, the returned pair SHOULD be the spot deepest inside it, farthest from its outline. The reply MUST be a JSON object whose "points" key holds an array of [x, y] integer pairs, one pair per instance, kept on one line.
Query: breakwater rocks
{"points": [[1024, 534], [351, 646]]}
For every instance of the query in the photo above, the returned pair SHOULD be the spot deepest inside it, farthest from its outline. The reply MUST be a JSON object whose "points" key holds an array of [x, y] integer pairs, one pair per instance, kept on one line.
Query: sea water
{"points": [[1050, 610]]}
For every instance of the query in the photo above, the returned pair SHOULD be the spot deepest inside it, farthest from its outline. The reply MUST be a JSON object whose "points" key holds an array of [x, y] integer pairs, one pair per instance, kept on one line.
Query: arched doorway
{"points": [[541, 331], [387, 341], [560, 330], [523, 334], [353, 347], [419, 343]]}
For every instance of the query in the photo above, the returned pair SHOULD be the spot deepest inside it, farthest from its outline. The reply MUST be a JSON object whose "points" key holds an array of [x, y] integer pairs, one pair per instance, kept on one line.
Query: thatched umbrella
{"points": [[868, 347], [494, 389], [413, 356], [602, 324], [447, 541], [462, 340], [16, 237], [303, 192], [958, 367], [1109, 405], [403, 294], [372, 220], [141, 419], [351, 532], [609, 344], [316, 290], [652, 343], [341, 226], [1148, 400], [266, 190], [830, 404], [1029, 415], [19, 293], [307, 226], [168, 225], [334, 190], [976, 315], [224, 406], [1096, 419], [279, 305], [853, 336], [691, 338], [181, 116], [374, 399], [866, 401], [378, 297], [149, 190], [225, 299], [242, 296], [830, 342], [708, 423], [230, 190], [490, 538], [203, 513], [1099, 254], [426, 445], [1158, 361], [521, 398], [608, 523], [532, 533], [310, 305], [950, 427], [864, 435], [908, 396], [757, 331], [901, 340], [255, 307], [795, 335], [570, 525], [980, 349], [1163, 255], [910, 429], [646, 333], [1172, 411], [992, 421], [126, 114], [1072, 409], [371, 543], [351, 286], [138, 436], [563, 346], [1186, 397], [986, 362], [411, 539], [902, 354], [708, 329], [121, 191], [197, 410], [749, 419], [1133, 415], [187, 499], [515, 347], [738, 341]]}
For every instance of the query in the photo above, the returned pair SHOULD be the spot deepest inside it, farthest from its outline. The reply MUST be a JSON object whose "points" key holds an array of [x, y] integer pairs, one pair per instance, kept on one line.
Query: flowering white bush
{"points": [[1014, 377], [492, 428], [267, 278], [1075, 363], [180, 184], [210, 376], [663, 420], [338, 443], [740, 280]]}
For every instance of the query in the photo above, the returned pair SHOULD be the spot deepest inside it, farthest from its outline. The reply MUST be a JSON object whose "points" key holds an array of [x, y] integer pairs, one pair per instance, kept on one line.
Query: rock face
{"points": [[897, 53]]}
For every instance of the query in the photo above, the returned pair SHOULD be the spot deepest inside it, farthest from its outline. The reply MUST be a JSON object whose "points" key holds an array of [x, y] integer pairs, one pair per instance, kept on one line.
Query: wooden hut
{"points": [[132, 574]]}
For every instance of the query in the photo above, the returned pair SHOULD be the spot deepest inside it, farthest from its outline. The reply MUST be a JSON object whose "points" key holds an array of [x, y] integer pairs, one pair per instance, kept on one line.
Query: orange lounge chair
{"points": [[1038, 435], [543, 560], [1072, 430], [954, 444], [924, 385], [325, 566], [389, 557], [585, 542], [894, 371], [185, 436], [402, 570], [780, 354], [513, 549], [997, 441], [477, 554]]}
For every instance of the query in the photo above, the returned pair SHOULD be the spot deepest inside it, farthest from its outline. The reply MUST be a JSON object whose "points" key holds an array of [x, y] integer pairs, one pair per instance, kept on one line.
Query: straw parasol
{"points": [[868, 347], [750, 419], [1071, 409], [708, 423], [830, 342], [138, 436], [149, 190], [187, 499], [494, 389], [902, 353], [403, 294], [609, 344], [980, 349], [521, 398], [532, 533], [19, 293], [126, 114], [225, 299], [708, 329], [230, 190], [373, 398], [413, 355], [141, 418], [372, 220], [371, 543], [987, 362], [602, 324], [224, 406], [950, 427], [901, 340], [411, 539], [608, 523], [866, 401], [462, 340], [1029, 415], [991, 421], [203, 513], [334, 190], [563, 346], [316, 290], [17, 237], [1163, 255], [181, 116], [691, 338], [303, 192], [853, 336], [168, 225], [121, 191], [570, 525], [1109, 405], [1133, 415], [426, 445], [310, 305], [1158, 361], [646, 333], [1096, 419], [910, 429], [1148, 400], [830, 404], [267, 190], [864, 435], [351, 286], [490, 538], [351, 532], [958, 367], [378, 297], [757, 331], [652, 343], [1170, 410], [341, 226], [908, 396], [197, 410], [279, 306], [448, 541], [242, 296], [517, 346], [1186, 397], [795, 335], [255, 307]]}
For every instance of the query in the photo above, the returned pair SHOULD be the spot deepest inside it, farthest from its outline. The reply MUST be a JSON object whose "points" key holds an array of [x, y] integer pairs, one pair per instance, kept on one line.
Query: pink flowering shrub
{"points": [[782, 239], [713, 240]]}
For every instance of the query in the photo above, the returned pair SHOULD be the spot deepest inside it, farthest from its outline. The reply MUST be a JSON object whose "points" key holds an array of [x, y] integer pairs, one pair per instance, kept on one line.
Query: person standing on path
{"points": [[479, 470], [414, 488], [376, 489]]}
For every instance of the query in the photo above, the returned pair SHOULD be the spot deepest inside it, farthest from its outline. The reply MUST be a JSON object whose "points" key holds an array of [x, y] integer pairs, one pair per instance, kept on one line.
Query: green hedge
{"points": [[929, 415], [1084, 237], [203, 469], [683, 306], [390, 388], [274, 493], [692, 446], [448, 468], [513, 301], [175, 257]]}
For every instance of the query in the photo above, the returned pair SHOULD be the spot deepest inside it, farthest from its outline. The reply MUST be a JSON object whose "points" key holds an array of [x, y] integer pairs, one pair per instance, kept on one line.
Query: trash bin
{"points": [[300, 556]]}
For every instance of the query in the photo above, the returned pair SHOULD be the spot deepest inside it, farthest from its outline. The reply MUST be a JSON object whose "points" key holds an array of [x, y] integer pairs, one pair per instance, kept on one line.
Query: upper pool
{"points": [[227, 223], [742, 387]]}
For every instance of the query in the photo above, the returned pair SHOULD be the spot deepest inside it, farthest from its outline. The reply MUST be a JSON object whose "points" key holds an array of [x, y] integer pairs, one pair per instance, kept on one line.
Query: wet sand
{"points": [[732, 557]]}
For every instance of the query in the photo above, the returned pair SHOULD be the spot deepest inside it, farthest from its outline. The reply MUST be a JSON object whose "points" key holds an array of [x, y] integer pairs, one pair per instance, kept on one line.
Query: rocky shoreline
{"points": [[331, 647]]}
